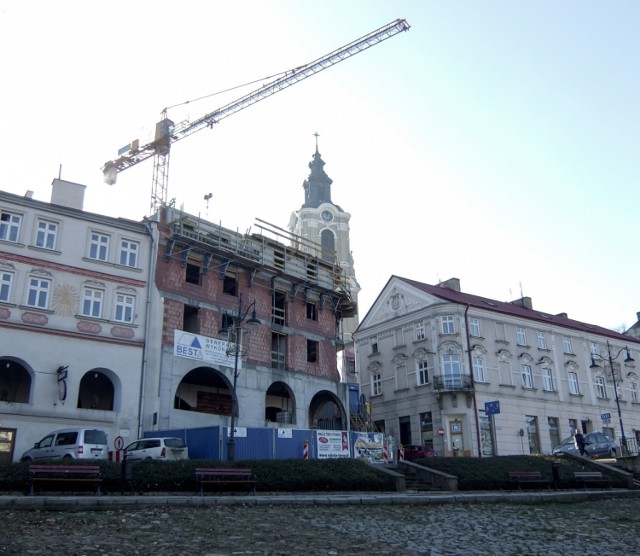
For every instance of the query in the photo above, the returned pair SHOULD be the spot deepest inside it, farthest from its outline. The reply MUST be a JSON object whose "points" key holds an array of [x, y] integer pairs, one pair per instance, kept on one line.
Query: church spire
{"points": [[317, 187]]}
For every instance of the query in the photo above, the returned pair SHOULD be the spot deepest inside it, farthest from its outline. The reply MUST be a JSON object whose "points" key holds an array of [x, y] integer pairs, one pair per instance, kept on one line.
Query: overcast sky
{"points": [[495, 141]]}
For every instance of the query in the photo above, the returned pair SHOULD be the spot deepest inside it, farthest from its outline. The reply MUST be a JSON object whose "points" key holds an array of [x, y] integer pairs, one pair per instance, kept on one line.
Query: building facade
{"points": [[74, 289], [212, 283], [473, 376]]}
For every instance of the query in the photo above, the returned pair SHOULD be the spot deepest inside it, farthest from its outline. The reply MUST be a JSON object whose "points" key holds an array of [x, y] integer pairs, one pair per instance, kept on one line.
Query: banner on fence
{"points": [[332, 444]]}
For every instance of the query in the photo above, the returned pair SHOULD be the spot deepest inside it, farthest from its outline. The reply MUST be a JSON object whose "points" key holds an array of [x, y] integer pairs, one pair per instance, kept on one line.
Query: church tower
{"points": [[323, 223]]}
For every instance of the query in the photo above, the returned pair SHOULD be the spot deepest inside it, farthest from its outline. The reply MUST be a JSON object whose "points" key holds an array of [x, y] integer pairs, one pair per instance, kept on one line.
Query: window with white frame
{"points": [[542, 340], [601, 390], [422, 373], [547, 379], [527, 376], [10, 226], [420, 331], [521, 336], [6, 279], [566, 345], [634, 392], [129, 253], [479, 374], [376, 383], [452, 371], [99, 246], [593, 346], [92, 302], [574, 387], [448, 324], [38, 292], [474, 326], [47, 234], [125, 305]]}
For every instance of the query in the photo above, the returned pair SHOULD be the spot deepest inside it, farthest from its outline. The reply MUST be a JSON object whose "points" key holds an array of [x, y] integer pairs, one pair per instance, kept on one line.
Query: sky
{"points": [[495, 141]]}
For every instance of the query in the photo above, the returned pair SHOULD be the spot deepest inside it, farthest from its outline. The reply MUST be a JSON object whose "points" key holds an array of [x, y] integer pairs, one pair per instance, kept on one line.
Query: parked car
{"points": [[164, 448], [413, 452], [70, 444], [597, 445]]}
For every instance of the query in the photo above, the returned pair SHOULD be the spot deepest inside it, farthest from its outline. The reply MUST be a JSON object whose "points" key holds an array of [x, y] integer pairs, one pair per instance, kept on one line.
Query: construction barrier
{"points": [[305, 450], [386, 454], [401, 453]]}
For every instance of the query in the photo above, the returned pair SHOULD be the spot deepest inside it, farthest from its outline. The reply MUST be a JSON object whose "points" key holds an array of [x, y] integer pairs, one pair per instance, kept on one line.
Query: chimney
{"points": [[450, 284], [67, 194], [562, 315], [524, 302]]}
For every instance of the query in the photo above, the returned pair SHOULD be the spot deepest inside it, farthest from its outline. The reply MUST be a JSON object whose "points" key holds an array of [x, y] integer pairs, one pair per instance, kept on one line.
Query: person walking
{"points": [[580, 442]]}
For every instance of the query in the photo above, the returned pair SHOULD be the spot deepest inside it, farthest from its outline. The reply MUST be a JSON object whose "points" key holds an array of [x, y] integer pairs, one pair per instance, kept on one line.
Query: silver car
{"points": [[597, 445], [163, 448], [70, 444]]}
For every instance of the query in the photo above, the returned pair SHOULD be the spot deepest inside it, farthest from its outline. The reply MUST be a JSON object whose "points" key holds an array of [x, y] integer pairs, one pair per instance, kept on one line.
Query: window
{"points": [[10, 226], [129, 253], [521, 336], [312, 351], [547, 380], [125, 305], [474, 327], [92, 303], [192, 272], [542, 340], [601, 390], [527, 376], [420, 331], [478, 370], [312, 310], [99, 246], [573, 383], [634, 392], [230, 284], [374, 346], [452, 371], [423, 373], [376, 383], [593, 346], [46, 235], [448, 324], [6, 279], [566, 344], [38, 293]]}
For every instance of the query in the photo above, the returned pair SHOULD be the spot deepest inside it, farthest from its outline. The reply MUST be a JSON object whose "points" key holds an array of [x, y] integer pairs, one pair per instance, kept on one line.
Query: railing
{"points": [[452, 382]]}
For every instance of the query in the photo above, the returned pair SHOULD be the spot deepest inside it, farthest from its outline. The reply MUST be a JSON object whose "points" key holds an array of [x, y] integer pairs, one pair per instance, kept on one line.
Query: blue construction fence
{"points": [[210, 443]]}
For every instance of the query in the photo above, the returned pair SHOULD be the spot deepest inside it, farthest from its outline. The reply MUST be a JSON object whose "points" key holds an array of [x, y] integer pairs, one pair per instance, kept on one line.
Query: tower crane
{"points": [[167, 132]]}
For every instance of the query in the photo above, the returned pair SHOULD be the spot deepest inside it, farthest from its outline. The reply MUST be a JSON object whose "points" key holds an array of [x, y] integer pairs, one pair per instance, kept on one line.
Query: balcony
{"points": [[452, 383]]}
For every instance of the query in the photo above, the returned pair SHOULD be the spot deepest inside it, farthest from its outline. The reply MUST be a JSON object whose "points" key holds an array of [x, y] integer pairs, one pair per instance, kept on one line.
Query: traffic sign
{"points": [[606, 416], [118, 443], [441, 431], [492, 408]]}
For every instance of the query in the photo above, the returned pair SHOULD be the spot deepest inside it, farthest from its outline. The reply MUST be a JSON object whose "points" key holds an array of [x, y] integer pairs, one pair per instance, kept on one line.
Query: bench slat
{"points": [[64, 474], [224, 475]]}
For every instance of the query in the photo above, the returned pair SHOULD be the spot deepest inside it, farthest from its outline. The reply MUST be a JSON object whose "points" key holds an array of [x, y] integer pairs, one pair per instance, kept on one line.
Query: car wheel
{"points": [[67, 458], [26, 460]]}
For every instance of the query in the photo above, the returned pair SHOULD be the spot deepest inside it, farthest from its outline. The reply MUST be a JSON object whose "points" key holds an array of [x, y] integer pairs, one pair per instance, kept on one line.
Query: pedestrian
{"points": [[580, 442]]}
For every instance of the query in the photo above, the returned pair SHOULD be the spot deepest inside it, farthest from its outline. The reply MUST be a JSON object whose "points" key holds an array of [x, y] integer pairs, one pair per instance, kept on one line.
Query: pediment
{"points": [[397, 299]]}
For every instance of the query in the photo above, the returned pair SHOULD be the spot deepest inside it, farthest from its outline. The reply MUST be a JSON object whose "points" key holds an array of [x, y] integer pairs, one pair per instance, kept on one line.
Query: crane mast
{"points": [[167, 132]]}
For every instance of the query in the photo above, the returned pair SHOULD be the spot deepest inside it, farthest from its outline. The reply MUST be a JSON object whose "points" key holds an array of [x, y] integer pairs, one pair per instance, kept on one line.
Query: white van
{"points": [[70, 444]]}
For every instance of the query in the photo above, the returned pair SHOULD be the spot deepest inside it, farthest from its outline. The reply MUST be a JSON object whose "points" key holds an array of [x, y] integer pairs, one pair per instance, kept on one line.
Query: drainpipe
{"points": [[147, 324], [473, 386]]}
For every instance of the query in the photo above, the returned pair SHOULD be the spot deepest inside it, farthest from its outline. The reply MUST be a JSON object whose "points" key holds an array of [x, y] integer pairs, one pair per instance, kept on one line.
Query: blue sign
{"points": [[606, 416], [492, 408]]}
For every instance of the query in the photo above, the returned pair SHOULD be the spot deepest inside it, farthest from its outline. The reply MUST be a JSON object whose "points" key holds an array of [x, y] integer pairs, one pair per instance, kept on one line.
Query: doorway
{"points": [[7, 442]]}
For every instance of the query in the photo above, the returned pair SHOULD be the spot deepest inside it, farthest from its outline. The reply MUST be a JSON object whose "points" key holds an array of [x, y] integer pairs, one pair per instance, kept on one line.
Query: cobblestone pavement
{"points": [[605, 526]]}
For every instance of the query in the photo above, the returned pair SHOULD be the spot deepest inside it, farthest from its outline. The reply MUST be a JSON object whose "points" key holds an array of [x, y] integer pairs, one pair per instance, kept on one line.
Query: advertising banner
{"points": [[205, 349], [332, 444]]}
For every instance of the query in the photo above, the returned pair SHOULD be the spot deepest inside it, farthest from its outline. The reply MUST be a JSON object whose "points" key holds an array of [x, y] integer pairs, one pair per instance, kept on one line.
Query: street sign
{"points": [[606, 416], [441, 431], [492, 408]]}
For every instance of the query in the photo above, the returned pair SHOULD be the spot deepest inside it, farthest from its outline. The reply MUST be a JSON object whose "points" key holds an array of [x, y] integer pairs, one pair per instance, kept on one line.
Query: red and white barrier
{"points": [[385, 454], [401, 453], [305, 450]]}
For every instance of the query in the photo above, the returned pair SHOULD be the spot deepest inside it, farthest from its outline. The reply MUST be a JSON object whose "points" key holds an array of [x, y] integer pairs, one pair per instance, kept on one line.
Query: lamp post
{"points": [[611, 358], [236, 334]]}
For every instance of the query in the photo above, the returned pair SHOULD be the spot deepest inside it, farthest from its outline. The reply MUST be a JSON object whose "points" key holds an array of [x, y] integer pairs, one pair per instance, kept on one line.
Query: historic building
{"points": [[475, 376], [322, 225], [244, 330], [73, 317]]}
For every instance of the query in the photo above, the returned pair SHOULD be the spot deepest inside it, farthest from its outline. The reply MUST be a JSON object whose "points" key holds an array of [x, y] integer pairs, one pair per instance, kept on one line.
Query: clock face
{"points": [[326, 216]]}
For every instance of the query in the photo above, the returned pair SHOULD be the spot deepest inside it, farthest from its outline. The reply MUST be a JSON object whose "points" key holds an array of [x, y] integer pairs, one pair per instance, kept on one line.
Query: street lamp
{"points": [[628, 359], [236, 334]]}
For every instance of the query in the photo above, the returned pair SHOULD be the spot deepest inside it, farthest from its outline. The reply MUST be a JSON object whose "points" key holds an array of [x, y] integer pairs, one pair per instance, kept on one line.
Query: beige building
{"points": [[73, 305], [475, 376]]}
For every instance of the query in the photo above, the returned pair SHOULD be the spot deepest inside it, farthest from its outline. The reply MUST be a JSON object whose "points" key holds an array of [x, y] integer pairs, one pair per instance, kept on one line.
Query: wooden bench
{"points": [[529, 478], [225, 476], [51, 474], [591, 478]]}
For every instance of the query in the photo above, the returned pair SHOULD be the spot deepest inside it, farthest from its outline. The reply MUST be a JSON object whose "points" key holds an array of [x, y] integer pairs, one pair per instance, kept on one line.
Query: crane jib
{"points": [[167, 132]]}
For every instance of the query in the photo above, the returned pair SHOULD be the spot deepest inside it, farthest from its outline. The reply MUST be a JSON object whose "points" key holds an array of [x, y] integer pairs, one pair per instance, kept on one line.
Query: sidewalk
{"points": [[83, 502]]}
